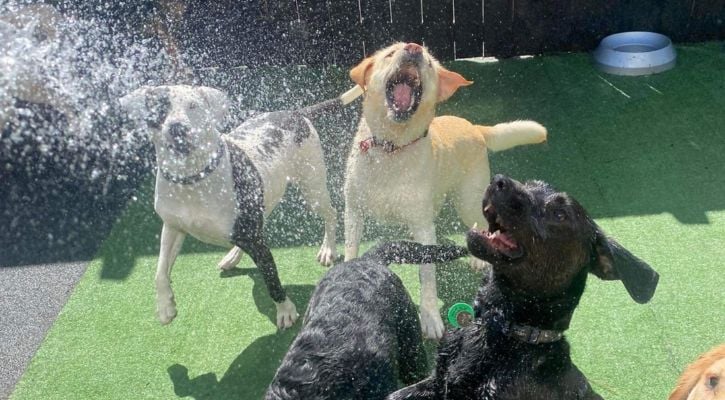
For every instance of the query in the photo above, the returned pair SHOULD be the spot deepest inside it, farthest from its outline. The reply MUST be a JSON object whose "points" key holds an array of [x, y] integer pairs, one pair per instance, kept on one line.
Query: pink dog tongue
{"points": [[402, 96]]}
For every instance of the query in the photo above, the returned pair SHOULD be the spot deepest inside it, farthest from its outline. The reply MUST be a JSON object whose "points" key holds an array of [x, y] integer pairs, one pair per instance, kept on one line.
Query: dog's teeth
{"points": [[412, 101], [488, 207]]}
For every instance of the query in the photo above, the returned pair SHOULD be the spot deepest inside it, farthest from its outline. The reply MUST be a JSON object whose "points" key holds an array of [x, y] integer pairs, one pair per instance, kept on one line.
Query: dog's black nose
{"points": [[179, 138], [501, 182], [178, 131]]}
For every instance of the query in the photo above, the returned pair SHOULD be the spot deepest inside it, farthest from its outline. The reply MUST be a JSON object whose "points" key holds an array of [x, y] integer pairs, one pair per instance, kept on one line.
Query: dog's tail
{"points": [[333, 104], [404, 252], [511, 134]]}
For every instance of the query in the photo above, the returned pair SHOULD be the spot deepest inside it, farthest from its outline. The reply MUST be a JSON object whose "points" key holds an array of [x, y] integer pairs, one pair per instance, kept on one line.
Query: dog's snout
{"points": [[178, 130], [179, 140], [501, 182], [413, 52], [414, 49]]}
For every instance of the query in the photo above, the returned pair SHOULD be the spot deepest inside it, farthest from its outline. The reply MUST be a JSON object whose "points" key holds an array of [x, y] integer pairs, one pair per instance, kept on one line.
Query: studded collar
{"points": [[191, 179]]}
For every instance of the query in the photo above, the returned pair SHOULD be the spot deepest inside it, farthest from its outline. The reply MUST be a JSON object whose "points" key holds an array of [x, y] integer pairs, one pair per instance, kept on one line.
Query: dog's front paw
{"points": [[431, 323], [477, 264], [327, 255], [231, 259], [166, 310], [286, 314]]}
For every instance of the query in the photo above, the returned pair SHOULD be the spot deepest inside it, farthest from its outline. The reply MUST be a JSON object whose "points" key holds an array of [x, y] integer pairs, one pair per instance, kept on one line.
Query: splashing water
{"points": [[63, 138], [79, 75], [70, 150]]}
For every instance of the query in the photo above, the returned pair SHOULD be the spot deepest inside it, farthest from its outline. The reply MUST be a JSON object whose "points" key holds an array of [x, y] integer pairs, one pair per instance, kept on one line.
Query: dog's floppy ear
{"points": [[360, 74], [216, 101], [449, 82], [612, 261], [134, 103], [149, 104]]}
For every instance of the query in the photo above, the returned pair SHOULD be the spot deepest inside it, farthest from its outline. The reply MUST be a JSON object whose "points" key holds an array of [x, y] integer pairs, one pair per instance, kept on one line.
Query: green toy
{"points": [[460, 314]]}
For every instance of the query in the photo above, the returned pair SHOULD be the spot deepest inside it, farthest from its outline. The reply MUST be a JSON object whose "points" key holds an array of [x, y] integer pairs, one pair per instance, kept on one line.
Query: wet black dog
{"points": [[361, 330], [542, 244]]}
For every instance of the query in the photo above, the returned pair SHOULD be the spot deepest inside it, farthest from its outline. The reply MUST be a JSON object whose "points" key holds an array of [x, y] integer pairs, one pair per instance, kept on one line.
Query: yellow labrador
{"points": [[405, 161]]}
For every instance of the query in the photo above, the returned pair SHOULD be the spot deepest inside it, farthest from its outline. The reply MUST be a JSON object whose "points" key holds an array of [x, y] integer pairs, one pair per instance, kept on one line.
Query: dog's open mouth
{"points": [[403, 92], [498, 237]]}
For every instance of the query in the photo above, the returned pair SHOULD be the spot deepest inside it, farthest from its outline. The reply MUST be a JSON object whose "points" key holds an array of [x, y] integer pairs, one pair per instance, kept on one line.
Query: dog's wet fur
{"points": [[361, 331], [542, 245]]}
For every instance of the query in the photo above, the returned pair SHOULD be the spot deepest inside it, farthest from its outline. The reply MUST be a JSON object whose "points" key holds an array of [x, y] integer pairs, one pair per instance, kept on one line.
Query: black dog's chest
{"points": [[494, 366], [507, 382]]}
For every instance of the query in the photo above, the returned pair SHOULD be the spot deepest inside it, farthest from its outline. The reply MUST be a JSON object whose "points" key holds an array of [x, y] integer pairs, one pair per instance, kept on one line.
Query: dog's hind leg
{"points": [[231, 259], [313, 184], [171, 241]]}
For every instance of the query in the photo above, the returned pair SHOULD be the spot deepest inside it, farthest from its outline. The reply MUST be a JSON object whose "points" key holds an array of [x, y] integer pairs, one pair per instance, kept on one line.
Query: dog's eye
{"points": [[712, 381], [193, 106], [560, 215], [390, 54]]}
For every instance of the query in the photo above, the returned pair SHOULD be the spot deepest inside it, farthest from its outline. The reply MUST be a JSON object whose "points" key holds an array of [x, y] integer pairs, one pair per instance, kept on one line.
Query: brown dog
{"points": [[404, 162], [704, 379]]}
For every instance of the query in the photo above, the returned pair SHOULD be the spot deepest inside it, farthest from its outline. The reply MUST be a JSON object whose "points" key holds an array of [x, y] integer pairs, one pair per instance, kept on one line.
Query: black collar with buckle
{"points": [[525, 333], [191, 179], [531, 334], [387, 145]]}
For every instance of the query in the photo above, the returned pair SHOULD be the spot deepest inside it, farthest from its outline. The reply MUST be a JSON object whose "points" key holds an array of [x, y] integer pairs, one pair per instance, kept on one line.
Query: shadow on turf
{"points": [[299, 294], [246, 378], [253, 369], [250, 373]]}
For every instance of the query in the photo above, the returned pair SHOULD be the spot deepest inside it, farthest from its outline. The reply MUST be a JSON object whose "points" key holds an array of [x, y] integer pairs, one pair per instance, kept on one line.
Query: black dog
{"points": [[542, 244], [360, 327]]}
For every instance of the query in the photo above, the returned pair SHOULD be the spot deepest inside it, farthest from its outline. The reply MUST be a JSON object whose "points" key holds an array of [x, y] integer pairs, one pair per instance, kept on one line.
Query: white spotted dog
{"points": [[405, 160], [219, 188]]}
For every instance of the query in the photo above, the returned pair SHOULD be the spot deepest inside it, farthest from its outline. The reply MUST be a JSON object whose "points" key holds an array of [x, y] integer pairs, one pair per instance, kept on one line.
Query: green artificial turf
{"points": [[644, 155]]}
